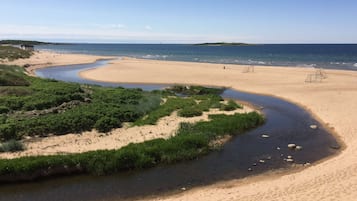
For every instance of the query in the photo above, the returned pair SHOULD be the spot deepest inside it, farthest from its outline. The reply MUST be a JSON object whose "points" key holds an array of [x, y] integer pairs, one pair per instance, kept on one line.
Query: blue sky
{"points": [[180, 21]]}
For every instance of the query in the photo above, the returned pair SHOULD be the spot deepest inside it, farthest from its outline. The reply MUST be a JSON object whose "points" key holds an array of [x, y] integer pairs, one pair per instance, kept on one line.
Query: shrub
{"points": [[189, 112], [11, 146], [106, 124], [195, 90], [7, 131], [230, 106]]}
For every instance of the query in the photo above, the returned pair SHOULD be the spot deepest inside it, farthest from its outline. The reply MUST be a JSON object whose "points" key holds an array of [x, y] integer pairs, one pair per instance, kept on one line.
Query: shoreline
{"points": [[273, 186]]}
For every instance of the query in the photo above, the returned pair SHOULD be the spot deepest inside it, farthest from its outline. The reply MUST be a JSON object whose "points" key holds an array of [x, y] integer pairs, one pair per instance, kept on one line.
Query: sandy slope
{"points": [[334, 101], [45, 58]]}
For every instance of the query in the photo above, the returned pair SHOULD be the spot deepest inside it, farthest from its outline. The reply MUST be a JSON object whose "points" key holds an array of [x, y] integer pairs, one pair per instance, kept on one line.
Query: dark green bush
{"points": [[195, 90], [230, 106], [106, 124], [7, 131], [190, 112]]}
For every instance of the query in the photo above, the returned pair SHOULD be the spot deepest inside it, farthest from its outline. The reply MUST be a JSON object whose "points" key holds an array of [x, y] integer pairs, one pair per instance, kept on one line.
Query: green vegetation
{"points": [[224, 44], [230, 106], [195, 90], [12, 53], [42, 107], [11, 146], [32, 106], [191, 141]]}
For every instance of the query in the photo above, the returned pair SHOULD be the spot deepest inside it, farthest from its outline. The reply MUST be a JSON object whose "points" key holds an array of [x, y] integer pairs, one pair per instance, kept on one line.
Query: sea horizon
{"points": [[329, 56]]}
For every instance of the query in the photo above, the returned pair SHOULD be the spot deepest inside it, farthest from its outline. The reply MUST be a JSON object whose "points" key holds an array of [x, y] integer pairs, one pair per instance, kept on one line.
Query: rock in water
{"points": [[291, 146], [290, 160], [298, 147], [265, 136], [313, 126]]}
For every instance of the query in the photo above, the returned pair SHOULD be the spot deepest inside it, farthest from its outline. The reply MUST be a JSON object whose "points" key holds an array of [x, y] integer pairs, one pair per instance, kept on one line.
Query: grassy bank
{"points": [[191, 141]]}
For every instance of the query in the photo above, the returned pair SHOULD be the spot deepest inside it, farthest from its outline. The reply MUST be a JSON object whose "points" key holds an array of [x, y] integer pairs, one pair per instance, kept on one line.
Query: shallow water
{"points": [[286, 123]]}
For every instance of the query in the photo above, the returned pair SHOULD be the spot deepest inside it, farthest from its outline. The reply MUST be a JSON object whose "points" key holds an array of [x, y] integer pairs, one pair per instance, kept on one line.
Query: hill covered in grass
{"points": [[12, 53], [23, 42]]}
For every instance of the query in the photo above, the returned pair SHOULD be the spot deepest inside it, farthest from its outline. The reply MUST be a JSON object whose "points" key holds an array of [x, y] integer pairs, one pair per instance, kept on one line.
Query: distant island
{"points": [[223, 44], [25, 42]]}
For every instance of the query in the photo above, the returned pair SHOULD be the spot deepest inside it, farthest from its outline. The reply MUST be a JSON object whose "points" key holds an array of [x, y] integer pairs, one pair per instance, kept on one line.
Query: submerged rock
{"points": [[265, 136]]}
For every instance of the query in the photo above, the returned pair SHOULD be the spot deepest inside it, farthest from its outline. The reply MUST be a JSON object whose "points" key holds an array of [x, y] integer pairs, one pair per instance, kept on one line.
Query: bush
{"points": [[11, 146], [106, 124], [230, 106], [195, 90], [7, 131], [189, 112]]}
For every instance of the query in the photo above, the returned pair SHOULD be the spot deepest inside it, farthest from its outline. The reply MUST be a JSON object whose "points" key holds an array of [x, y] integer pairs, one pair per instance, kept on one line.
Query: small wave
{"points": [[308, 65], [355, 65], [149, 56]]}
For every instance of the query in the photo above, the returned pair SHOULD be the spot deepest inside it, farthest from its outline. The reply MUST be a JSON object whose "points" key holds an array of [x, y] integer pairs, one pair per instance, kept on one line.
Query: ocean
{"points": [[329, 56]]}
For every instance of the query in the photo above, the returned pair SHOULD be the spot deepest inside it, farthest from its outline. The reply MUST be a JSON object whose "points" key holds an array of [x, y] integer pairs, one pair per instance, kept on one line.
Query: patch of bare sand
{"points": [[334, 101]]}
